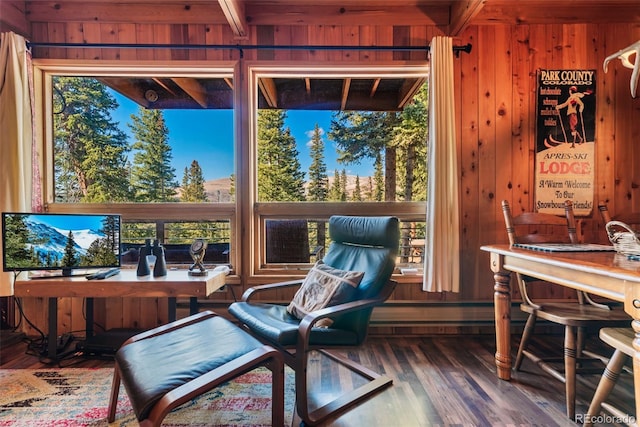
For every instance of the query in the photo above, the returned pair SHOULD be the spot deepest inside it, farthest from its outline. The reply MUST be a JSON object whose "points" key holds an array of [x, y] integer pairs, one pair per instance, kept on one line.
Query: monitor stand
{"points": [[56, 274]]}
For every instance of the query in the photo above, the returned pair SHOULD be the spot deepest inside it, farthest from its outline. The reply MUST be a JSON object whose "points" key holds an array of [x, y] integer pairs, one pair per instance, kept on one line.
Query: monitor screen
{"points": [[61, 243]]}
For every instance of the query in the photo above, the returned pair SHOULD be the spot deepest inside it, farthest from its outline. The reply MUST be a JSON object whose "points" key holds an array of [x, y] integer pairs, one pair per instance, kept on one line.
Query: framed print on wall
{"points": [[565, 140]]}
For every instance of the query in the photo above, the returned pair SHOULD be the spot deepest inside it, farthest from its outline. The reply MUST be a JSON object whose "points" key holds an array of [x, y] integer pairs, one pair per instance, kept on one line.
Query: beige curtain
{"points": [[16, 135], [442, 245]]}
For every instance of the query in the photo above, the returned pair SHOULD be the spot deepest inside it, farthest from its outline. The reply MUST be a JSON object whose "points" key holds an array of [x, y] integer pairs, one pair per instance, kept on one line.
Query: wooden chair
{"points": [[621, 339], [576, 317], [630, 218]]}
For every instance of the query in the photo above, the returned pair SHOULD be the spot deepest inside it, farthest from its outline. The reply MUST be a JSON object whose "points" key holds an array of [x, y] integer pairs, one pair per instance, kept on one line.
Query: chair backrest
{"points": [[535, 227], [367, 244], [632, 219]]}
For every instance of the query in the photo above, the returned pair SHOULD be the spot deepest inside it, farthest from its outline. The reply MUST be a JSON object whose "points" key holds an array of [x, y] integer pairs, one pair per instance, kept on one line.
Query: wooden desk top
{"points": [[177, 283], [607, 274]]}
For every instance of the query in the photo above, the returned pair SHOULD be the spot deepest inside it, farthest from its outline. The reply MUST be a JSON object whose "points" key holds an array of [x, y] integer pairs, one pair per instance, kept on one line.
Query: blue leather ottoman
{"points": [[167, 366]]}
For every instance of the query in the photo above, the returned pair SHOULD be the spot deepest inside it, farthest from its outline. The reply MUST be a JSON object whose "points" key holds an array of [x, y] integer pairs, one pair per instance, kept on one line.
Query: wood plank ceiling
{"points": [[385, 94]]}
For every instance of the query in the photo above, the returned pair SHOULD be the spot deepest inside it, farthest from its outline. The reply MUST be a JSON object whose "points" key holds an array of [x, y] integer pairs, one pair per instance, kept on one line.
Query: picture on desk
{"points": [[60, 243]]}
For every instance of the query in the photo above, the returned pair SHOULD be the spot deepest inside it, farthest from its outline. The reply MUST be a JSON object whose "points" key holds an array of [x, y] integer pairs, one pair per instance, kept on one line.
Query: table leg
{"points": [[193, 305], [635, 324], [89, 319], [172, 309], [502, 311], [52, 345]]}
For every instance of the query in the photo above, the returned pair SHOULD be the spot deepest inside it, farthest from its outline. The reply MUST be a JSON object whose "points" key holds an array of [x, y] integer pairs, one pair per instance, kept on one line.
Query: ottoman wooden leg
{"points": [[113, 399], [276, 365]]}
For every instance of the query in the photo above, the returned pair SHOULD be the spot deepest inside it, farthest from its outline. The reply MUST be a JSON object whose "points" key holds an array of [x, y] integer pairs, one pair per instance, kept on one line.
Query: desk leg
{"points": [[502, 310], [172, 309], [635, 324], [173, 306], [52, 345], [89, 319]]}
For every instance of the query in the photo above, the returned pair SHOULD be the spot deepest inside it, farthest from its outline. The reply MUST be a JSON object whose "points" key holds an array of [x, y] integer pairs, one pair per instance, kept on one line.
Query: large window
{"points": [[255, 165], [147, 143], [328, 141]]}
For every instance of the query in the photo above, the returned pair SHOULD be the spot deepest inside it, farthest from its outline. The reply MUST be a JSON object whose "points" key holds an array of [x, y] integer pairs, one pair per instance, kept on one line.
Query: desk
{"points": [[607, 274], [177, 283]]}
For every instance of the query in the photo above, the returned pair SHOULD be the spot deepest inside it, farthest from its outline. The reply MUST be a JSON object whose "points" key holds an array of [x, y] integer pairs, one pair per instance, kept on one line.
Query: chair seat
{"points": [[575, 314], [274, 323], [619, 338]]}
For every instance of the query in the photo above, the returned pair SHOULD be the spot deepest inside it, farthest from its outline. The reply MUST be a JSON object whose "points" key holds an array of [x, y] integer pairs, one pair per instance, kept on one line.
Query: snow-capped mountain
{"points": [[51, 241]]}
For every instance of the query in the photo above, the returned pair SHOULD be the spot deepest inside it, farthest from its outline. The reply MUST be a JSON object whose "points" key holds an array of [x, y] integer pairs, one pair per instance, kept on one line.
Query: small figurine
{"points": [[197, 250], [143, 261], [160, 267]]}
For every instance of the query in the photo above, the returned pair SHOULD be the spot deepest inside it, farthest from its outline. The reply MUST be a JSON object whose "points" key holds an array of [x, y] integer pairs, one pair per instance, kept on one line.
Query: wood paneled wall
{"points": [[496, 109]]}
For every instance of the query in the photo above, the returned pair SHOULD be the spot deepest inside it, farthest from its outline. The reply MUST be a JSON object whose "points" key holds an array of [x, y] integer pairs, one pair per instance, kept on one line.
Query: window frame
{"points": [[247, 216], [263, 211], [45, 69]]}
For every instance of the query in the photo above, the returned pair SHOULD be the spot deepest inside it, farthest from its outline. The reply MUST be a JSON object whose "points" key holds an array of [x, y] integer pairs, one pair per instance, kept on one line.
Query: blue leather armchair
{"points": [[364, 244]]}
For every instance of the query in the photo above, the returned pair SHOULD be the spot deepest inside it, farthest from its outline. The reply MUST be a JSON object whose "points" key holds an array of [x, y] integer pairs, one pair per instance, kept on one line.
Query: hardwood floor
{"points": [[438, 380]]}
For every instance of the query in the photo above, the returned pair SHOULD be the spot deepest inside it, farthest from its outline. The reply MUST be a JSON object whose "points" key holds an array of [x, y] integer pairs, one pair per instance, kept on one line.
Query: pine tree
{"points": [[369, 192], [343, 186], [334, 192], [90, 149], [193, 184], [279, 172], [365, 134], [100, 253], [16, 239], [153, 178], [410, 137], [356, 195], [318, 180], [70, 257], [378, 177], [111, 230]]}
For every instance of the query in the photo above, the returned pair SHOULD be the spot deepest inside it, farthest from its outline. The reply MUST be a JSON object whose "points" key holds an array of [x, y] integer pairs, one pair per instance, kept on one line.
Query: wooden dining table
{"points": [[604, 273]]}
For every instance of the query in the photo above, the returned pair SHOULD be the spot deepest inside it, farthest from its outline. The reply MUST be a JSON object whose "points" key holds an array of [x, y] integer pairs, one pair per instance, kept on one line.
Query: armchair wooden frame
{"points": [[297, 357]]}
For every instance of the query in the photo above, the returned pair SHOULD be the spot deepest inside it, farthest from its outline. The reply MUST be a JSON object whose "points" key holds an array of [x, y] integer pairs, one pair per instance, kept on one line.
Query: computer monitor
{"points": [[60, 244]]}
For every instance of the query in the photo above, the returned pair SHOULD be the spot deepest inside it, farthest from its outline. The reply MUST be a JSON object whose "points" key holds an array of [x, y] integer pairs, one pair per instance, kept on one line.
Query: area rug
{"points": [[74, 397]]}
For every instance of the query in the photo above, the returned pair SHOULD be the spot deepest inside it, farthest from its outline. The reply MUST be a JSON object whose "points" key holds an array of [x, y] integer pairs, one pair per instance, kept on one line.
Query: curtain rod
{"points": [[456, 49]]}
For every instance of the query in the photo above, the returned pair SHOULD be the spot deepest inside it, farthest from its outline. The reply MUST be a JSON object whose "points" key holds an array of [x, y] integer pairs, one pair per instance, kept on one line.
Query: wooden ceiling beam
{"points": [[13, 18], [508, 12], [360, 13], [126, 88], [269, 91], [374, 87], [194, 89], [131, 12], [160, 83], [408, 91], [234, 12], [462, 13], [346, 84]]}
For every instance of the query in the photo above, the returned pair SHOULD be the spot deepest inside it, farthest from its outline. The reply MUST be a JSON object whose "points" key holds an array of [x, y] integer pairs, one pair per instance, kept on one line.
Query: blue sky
{"points": [[207, 136], [70, 221]]}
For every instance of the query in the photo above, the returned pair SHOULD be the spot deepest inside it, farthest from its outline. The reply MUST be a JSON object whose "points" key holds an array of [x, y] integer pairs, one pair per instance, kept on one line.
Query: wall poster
{"points": [[565, 140]]}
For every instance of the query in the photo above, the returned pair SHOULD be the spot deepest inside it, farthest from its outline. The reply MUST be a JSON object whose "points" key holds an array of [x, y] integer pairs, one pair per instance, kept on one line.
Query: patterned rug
{"points": [[73, 397]]}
